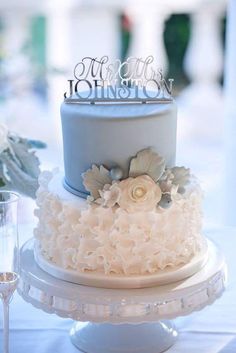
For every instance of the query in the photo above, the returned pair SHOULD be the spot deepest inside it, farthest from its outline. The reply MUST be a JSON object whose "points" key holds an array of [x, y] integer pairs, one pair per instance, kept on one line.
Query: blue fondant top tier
{"points": [[113, 133]]}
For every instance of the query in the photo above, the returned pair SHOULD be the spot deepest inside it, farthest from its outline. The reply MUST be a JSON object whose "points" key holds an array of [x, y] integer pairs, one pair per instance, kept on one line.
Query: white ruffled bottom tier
{"points": [[82, 237]]}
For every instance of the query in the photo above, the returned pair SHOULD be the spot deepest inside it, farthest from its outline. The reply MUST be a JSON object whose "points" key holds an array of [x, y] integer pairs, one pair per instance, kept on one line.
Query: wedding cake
{"points": [[121, 214]]}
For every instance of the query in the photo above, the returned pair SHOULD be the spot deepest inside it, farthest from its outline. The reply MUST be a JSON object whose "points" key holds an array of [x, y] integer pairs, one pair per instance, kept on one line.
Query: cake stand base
{"points": [[108, 338], [121, 320]]}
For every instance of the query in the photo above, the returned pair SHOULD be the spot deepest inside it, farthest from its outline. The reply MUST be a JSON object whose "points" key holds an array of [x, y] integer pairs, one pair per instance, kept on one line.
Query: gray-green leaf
{"points": [[19, 180], [28, 161], [95, 178], [147, 162]]}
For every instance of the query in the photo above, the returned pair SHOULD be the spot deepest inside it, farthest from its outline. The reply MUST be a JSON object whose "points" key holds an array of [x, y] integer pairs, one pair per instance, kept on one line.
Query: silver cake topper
{"points": [[133, 81]]}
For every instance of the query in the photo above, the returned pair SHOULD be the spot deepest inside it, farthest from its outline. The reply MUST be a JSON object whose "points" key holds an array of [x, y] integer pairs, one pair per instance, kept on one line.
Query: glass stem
{"points": [[5, 302]]}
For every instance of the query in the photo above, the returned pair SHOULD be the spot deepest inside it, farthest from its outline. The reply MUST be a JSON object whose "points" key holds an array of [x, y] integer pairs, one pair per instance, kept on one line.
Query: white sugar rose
{"points": [[3, 137], [139, 194]]}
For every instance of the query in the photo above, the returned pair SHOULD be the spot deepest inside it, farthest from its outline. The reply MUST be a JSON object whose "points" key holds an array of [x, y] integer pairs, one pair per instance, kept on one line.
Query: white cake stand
{"points": [[117, 320]]}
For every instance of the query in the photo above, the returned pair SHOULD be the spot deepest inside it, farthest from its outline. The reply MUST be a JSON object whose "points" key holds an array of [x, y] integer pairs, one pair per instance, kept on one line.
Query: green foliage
{"points": [[176, 37], [125, 36], [38, 40]]}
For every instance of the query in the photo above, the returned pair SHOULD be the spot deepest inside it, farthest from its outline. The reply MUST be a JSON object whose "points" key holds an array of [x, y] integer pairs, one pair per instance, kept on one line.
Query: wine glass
{"points": [[9, 256]]}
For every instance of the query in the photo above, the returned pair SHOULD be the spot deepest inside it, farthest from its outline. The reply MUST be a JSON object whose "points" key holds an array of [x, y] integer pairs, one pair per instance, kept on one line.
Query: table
{"points": [[212, 330]]}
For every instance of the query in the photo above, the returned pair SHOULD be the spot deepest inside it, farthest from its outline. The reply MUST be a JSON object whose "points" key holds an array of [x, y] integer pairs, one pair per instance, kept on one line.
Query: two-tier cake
{"points": [[122, 214]]}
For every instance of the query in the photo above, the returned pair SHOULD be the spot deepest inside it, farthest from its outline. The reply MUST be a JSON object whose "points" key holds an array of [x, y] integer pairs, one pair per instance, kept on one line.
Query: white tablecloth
{"points": [[212, 330]]}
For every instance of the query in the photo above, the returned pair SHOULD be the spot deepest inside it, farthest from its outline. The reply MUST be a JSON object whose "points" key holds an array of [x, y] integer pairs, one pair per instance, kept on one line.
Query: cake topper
{"points": [[97, 80]]}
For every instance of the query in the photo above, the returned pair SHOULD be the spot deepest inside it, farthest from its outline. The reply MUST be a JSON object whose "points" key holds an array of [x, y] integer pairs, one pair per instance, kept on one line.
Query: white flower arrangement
{"points": [[150, 184], [19, 166]]}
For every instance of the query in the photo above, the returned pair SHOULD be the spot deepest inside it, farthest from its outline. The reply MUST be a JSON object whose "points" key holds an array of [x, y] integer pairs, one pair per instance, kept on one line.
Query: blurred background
{"points": [[41, 41]]}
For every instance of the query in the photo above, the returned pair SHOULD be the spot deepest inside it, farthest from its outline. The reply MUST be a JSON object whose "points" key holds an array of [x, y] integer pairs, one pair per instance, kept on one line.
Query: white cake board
{"points": [[137, 311], [100, 280]]}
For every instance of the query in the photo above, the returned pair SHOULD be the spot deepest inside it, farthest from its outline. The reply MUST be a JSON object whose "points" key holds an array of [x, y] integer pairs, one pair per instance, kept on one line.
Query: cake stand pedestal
{"points": [[117, 320]]}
